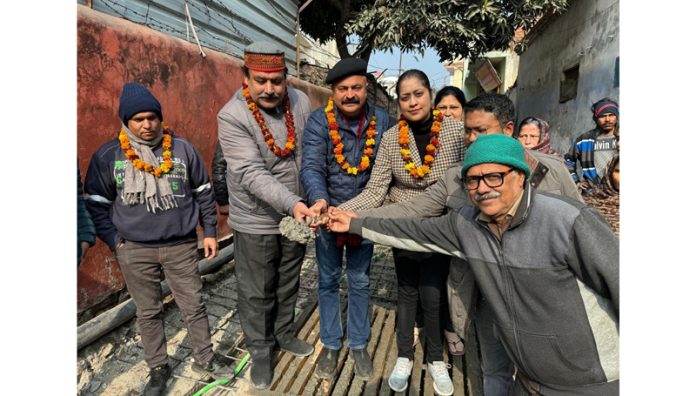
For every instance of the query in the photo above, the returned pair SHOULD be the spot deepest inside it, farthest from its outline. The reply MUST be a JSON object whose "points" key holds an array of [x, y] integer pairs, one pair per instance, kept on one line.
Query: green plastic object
{"points": [[223, 381]]}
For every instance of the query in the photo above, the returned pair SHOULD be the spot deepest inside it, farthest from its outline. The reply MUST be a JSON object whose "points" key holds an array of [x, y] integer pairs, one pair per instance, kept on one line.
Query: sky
{"points": [[429, 63]]}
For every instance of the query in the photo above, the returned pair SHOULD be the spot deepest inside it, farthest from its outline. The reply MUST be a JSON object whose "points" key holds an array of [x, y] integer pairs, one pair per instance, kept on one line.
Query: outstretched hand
{"points": [[339, 220], [318, 209], [301, 212]]}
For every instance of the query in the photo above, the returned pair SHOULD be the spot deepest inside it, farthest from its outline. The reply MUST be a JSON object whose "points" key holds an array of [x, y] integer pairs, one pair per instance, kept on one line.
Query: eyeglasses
{"points": [[525, 137], [492, 180]]}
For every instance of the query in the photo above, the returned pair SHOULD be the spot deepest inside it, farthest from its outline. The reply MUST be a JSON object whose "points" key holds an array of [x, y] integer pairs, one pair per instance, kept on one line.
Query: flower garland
{"points": [[267, 136], [338, 145], [141, 165], [430, 150]]}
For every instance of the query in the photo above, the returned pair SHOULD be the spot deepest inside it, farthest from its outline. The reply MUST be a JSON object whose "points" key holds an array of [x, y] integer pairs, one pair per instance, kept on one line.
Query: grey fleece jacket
{"points": [[552, 283], [262, 187], [549, 175]]}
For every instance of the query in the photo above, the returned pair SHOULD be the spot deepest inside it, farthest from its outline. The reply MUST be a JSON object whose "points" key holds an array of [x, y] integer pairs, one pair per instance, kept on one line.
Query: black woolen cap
{"points": [[135, 99], [345, 68]]}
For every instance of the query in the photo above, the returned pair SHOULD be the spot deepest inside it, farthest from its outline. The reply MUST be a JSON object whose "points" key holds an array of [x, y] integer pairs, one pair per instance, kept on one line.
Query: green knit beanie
{"points": [[497, 149]]}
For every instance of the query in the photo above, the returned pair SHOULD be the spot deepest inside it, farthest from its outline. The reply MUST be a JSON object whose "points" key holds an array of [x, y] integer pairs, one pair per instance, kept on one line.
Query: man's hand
{"points": [[585, 185], [84, 246], [300, 212], [319, 207], [210, 247], [224, 209], [339, 221]]}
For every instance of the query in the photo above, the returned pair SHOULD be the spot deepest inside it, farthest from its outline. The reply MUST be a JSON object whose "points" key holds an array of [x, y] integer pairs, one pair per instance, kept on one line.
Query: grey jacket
{"points": [[262, 187], [552, 281], [548, 174]]}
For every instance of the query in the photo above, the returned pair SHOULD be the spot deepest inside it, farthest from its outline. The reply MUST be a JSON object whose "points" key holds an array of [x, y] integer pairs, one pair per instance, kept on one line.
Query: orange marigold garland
{"points": [[141, 165], [368, 151], [267, 136], [430, 150]]}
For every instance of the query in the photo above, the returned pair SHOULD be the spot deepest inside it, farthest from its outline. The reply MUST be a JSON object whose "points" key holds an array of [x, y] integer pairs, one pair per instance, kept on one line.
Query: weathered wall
{"points": [[587, 34], [191, 89]]}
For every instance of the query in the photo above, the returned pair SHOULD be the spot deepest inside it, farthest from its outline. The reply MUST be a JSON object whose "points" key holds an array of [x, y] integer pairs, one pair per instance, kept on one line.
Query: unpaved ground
{"points": [[114, 365]]}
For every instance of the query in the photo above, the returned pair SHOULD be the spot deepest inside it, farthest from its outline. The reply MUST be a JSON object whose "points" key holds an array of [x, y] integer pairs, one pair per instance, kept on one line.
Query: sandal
{"points": [[454, 346]]}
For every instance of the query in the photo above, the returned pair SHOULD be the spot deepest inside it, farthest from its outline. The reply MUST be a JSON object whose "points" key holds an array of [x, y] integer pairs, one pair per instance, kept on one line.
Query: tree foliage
{"points": [[466, 28]]}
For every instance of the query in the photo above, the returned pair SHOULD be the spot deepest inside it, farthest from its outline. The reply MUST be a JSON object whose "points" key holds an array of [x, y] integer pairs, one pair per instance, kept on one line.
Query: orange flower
{"points": [[430, 149], [268, 137], [141, 165], [338, 145]]}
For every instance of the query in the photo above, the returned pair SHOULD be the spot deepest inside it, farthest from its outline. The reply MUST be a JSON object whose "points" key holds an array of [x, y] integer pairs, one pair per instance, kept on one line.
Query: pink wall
{"points": [[192, 89]]}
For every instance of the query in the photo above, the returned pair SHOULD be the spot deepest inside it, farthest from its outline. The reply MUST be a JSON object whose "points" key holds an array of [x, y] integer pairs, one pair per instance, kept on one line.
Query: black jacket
{"points": [[115, 221], [219, 170]]}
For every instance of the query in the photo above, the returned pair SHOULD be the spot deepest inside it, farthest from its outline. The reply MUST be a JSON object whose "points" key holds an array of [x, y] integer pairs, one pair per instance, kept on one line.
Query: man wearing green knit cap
{"points": [[548, 266]]}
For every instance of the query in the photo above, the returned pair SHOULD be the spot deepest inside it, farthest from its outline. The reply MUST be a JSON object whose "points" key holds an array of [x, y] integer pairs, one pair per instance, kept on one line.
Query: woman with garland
{"points": [[414, 154]]}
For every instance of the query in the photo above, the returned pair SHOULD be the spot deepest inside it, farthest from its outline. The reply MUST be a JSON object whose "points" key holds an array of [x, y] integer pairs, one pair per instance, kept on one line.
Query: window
{"points": [[569, 84]]}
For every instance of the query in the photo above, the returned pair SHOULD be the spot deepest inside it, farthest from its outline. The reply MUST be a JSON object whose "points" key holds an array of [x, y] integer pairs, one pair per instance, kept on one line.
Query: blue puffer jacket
{"points": [[321, 175]]}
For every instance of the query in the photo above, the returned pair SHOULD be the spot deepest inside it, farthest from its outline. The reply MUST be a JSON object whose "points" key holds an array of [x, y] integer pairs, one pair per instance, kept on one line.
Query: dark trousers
{"points": [[141, 267], [420, 276], [268, 278]]}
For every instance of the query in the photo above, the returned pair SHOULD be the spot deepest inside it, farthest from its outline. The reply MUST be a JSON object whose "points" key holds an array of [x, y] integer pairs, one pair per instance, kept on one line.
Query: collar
{"points": [[365, 118]]}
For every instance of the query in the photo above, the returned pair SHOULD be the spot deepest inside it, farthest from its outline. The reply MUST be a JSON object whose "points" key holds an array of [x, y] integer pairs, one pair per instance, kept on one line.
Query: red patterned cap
{"points": [[263, 56]]}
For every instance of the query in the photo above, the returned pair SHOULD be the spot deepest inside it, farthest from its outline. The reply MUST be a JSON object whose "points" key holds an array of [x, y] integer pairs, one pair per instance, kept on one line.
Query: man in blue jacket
{"points": [[339, 147], [147, 190]]}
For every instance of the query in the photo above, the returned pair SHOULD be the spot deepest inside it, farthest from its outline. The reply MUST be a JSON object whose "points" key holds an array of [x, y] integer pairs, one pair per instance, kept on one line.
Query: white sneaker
{"points": [[441, 379], [398, 381]]}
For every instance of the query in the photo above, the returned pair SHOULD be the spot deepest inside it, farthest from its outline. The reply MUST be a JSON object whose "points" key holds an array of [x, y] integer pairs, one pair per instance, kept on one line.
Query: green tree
{"points": [[453, 28]]}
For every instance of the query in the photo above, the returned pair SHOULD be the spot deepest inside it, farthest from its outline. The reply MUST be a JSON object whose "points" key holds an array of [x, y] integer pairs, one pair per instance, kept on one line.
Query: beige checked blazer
{"points": [[390, 178]]}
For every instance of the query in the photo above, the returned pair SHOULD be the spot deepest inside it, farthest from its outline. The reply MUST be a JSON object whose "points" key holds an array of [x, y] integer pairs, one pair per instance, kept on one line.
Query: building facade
{"points": [[571, 62]]}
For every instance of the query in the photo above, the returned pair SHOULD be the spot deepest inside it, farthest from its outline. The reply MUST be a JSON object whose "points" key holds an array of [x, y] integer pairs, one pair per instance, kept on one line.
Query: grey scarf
{"points": [[141, 187]]}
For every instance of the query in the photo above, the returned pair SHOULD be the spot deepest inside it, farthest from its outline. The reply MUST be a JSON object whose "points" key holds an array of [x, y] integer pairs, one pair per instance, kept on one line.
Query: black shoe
{"points": [[217, 368], [158, 380], [295, 346], [363, 363], [328, 359], [261, 372]]}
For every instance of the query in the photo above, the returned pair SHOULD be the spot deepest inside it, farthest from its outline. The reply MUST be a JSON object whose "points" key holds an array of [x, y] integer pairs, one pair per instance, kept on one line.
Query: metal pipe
{"points": [[95, 328], [297, 37]]}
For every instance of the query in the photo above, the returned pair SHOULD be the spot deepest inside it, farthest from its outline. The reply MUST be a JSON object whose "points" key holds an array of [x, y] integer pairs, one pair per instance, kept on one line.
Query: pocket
{"points": [[545, 361]]}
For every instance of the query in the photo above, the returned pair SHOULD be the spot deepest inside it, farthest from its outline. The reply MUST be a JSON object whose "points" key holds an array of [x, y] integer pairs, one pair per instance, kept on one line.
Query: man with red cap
{"points": [[260, 130], [595, 148], [146, 191]]}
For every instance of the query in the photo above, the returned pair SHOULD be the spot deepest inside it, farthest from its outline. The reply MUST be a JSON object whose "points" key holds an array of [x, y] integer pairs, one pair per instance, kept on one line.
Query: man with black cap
{"points": [[339, 146], [553, 291], [260, 129], [595, 148], [146, 191]]}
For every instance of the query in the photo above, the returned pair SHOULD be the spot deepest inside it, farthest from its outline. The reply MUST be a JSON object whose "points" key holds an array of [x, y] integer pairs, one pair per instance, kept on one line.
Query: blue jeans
{"points": [[329, 262], [496, 366]]}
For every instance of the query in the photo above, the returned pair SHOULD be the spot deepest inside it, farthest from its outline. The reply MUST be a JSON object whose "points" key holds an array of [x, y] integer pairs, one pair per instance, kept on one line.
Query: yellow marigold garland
{"points": [[368, 151], [141, 165], [430, 150], [267, 135]]}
